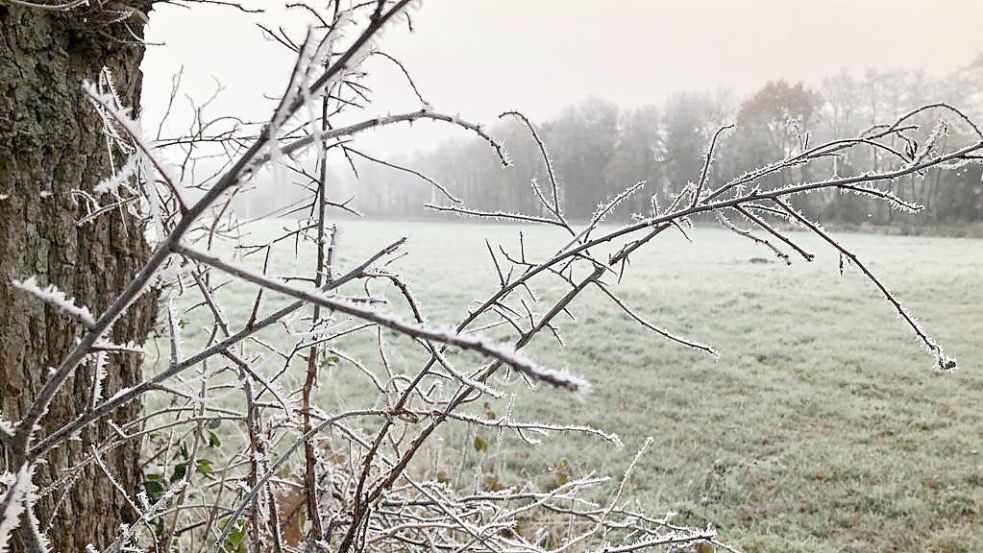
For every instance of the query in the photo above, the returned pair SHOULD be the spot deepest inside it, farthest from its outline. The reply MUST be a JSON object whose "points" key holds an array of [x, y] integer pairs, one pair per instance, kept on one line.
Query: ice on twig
{"points": [[56, 298], [150, 512], [14, 503], [112, 183], [99, 376]]}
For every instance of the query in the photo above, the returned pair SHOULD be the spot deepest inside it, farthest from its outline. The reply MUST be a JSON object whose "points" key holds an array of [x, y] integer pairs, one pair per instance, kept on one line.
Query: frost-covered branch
{"points": [[240, 388]]}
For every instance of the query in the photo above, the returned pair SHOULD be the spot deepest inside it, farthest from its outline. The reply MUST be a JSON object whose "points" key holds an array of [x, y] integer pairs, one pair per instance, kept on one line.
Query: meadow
{"points": [[822, 427]]}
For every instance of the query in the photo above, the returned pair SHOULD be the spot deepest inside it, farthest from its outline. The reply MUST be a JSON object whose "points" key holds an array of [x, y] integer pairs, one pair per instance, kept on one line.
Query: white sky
{"points": [[480, 57]]}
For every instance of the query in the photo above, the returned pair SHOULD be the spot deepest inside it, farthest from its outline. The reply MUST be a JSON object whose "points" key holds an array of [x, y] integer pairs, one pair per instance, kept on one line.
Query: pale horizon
{"points": [[540, 59]]}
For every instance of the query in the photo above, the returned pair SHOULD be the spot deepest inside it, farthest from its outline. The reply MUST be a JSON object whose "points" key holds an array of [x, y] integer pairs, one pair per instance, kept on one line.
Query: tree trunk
{"points": [[51, 143]]}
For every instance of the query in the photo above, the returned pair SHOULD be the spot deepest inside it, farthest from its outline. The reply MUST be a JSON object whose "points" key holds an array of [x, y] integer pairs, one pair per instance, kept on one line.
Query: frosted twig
{"points": [[661, 332], [512, 359], [944, 362], [56, 298]]}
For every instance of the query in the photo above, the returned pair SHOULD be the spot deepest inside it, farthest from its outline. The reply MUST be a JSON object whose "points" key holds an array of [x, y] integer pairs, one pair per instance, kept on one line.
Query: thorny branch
{"points": [[373, 476]]}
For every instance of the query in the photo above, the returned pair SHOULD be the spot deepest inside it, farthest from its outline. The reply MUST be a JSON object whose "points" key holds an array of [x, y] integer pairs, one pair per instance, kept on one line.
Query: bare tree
{"points": [[293, 476]]}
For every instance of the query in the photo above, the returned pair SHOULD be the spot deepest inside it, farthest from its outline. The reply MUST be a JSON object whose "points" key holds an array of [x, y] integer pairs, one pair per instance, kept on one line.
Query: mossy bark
{"points": [[51, 143]]}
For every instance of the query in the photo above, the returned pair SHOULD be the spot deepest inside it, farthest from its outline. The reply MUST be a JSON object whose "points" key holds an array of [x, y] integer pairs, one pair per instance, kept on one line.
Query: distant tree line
{"points": [[599, 149]]}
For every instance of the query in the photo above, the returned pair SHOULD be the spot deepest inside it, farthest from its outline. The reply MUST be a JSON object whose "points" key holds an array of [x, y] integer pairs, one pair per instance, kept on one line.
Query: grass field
{"points": [[821, 428]]}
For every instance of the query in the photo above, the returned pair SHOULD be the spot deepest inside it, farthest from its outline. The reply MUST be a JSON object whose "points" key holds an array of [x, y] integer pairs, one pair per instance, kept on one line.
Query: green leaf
{"points": [[236, 542], [214, 423], [180, 470], [480, 444], [213, 440], [154, 489], [204, 466]]}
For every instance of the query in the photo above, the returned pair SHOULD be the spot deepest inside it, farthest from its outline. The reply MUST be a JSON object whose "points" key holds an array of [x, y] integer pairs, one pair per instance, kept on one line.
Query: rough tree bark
{"points": [[51, 142]]}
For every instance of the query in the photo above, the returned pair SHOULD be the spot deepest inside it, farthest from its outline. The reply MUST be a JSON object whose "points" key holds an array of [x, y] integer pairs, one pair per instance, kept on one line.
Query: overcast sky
{"points": [[480, 57]]}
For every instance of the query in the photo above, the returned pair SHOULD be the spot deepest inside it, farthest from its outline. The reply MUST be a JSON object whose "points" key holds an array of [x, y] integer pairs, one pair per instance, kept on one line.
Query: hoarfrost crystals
{"points": [[55, 297], [99, 377], [14, 502], [112, 184]]}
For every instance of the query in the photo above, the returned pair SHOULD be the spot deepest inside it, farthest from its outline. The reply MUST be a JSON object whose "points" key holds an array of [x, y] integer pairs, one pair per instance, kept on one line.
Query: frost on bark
{"points": [[51, 143]]}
